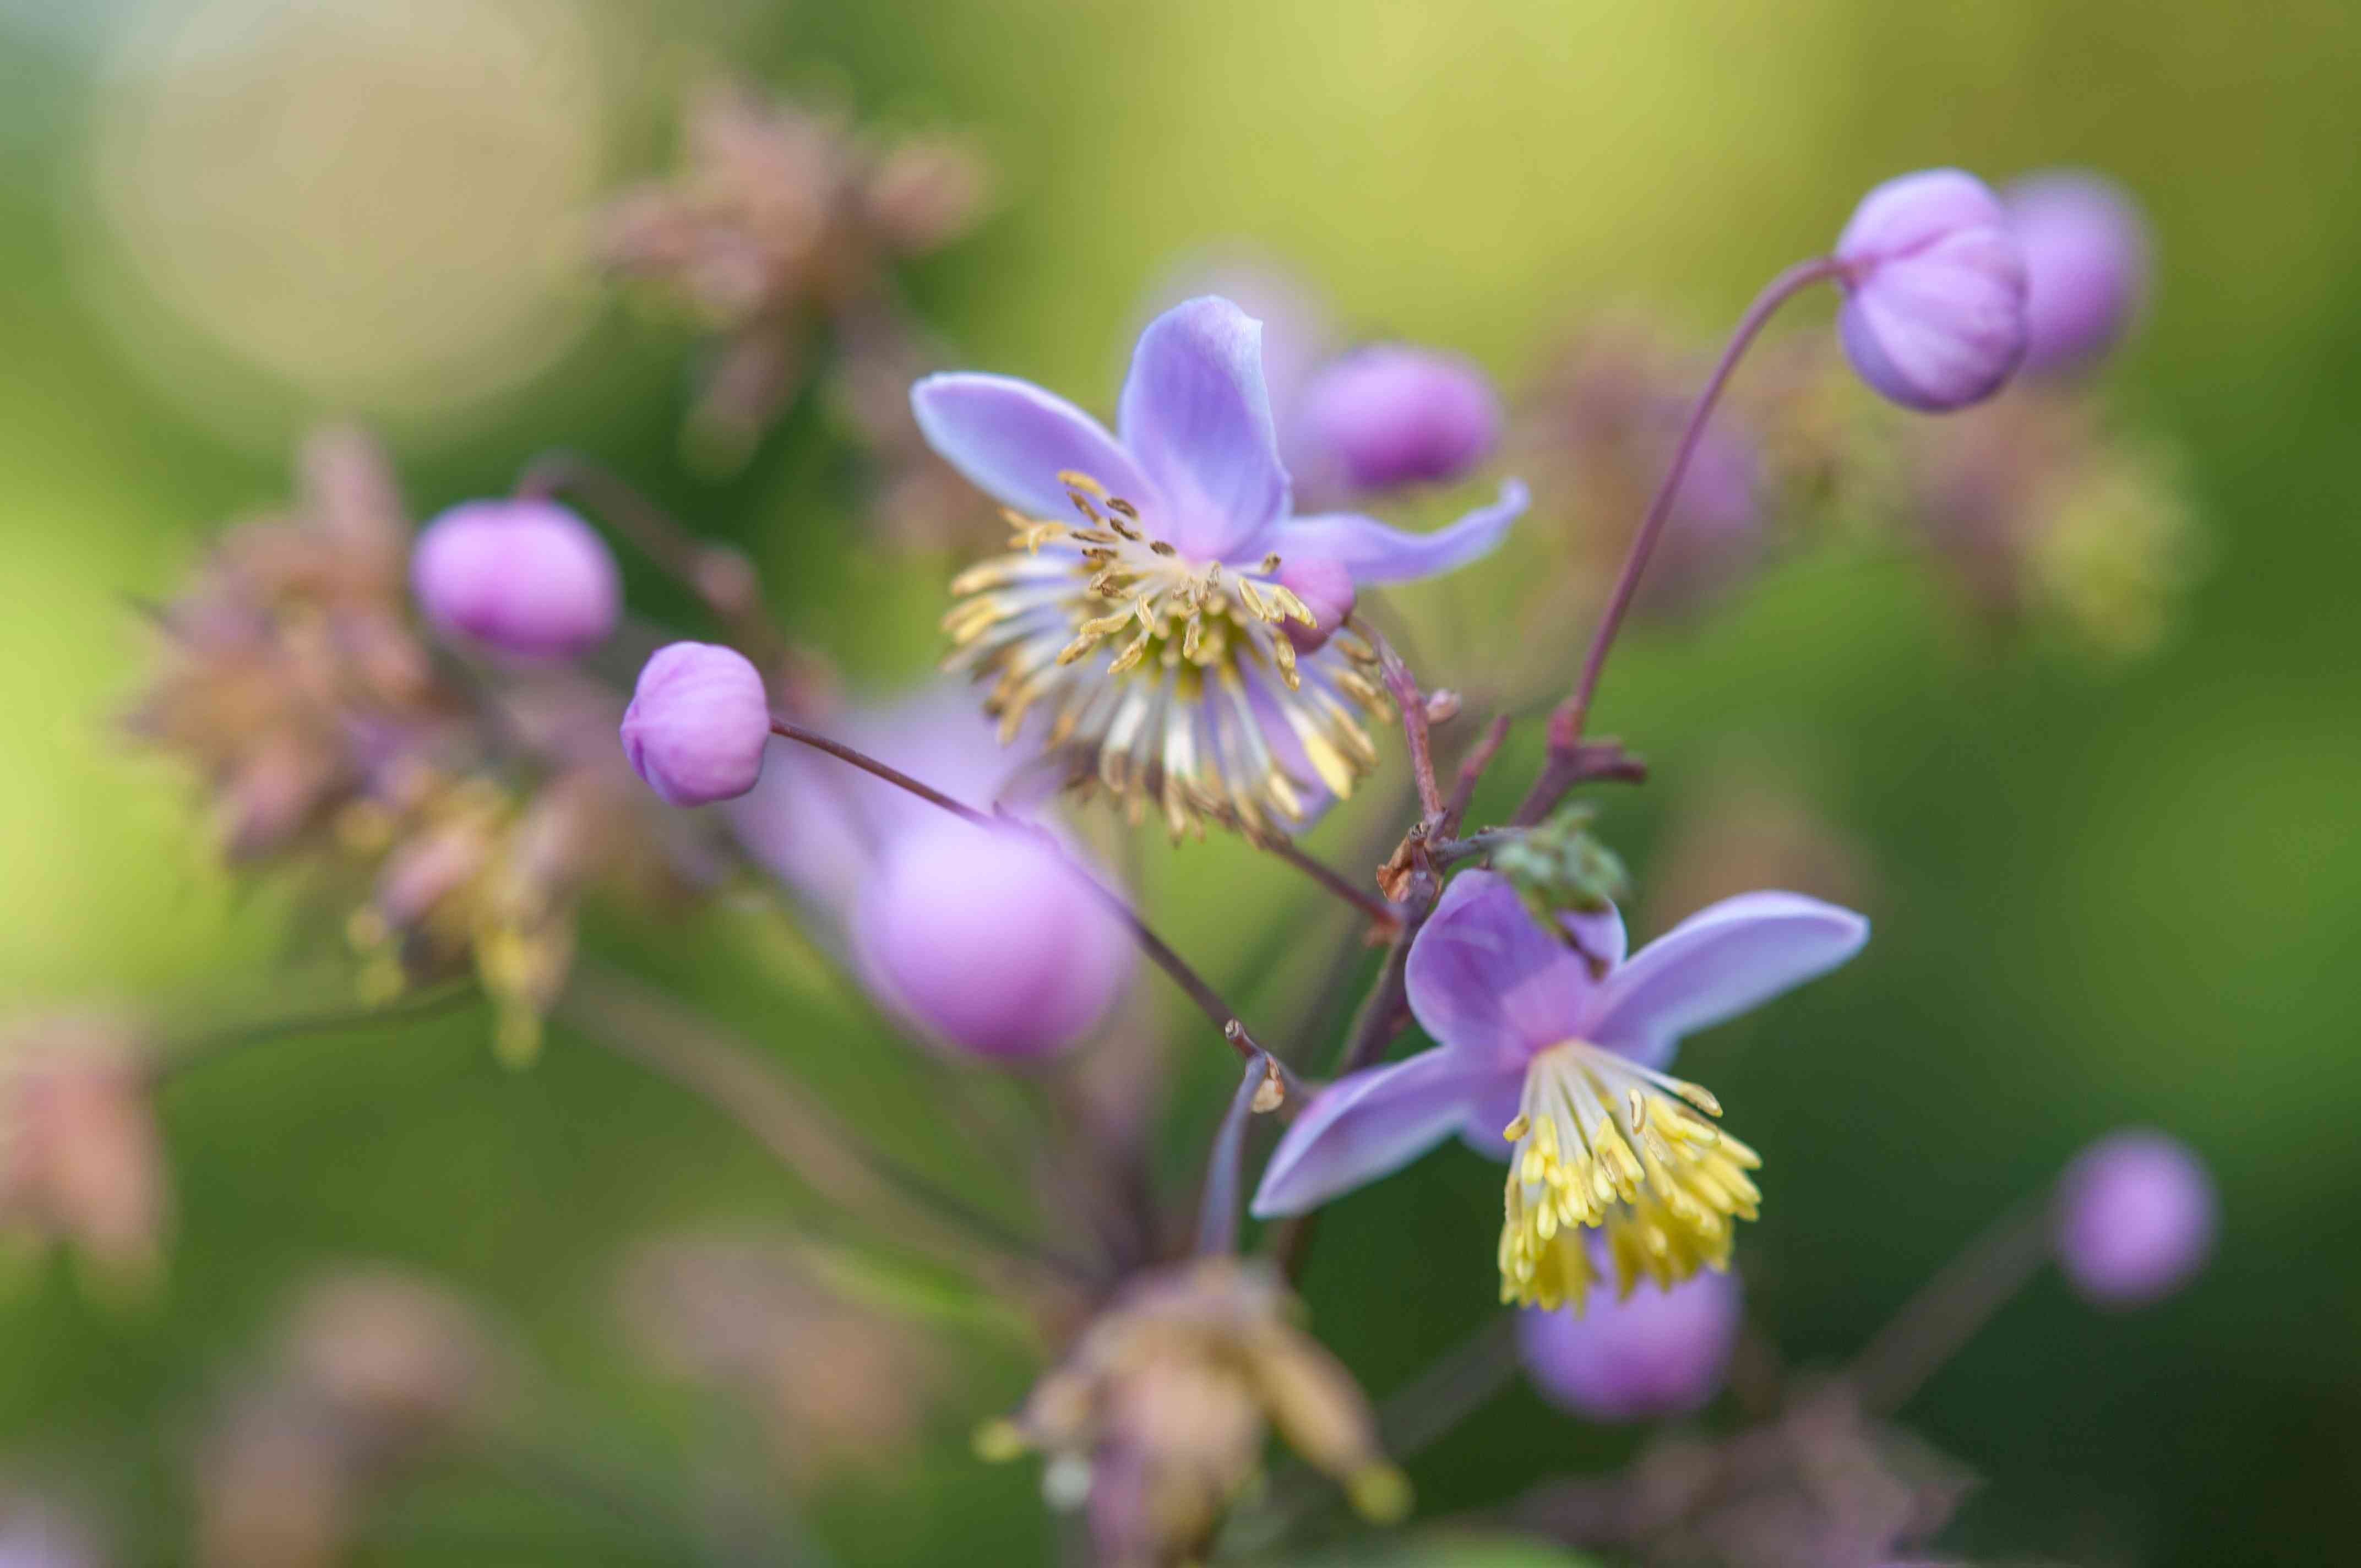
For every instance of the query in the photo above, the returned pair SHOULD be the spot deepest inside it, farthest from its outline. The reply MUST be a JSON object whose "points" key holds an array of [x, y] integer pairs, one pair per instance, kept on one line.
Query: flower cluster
{"points": [[458, 801], [1188, 619], [780, 234]]}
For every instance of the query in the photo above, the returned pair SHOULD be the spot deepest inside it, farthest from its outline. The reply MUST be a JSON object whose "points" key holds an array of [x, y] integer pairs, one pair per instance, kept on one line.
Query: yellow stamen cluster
{"points": [[1179, 716], [1601, 1142]]}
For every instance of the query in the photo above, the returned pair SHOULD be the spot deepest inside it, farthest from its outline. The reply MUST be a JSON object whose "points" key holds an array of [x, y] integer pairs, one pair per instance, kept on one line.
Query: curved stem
{"points": [[719, 574], [636, 1020], [173, 1061], [1946, 1312], [1380, 912], [1209, 1001], [1566, 723]]}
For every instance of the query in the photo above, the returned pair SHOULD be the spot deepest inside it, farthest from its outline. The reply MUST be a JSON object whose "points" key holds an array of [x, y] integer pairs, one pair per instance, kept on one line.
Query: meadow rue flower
{"points": [[2086, 264], [1156, 1419], [697, 724], [525, 577], [1392, 415], [989, 938], [1551, 1050], [1652, 1354], [2136, 1218], [1934, 285], [1149, 626]]}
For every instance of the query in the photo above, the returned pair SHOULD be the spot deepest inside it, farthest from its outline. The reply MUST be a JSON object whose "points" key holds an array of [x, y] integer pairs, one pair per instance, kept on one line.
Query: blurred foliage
{"points": [[2101, 897]]}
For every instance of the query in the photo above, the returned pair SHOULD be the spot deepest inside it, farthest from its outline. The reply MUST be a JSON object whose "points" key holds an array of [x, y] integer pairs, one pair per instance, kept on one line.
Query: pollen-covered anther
{"points": [[1600, 1143], [1197, 681]]}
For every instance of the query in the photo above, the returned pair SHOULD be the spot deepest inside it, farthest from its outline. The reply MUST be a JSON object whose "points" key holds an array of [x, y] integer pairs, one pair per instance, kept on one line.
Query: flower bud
{"points": [[1934, 283], [697, 724], [2086, 260], [1326, 587], [1391, 414], [989, 939], [1656, 1352], [526, 577], [2135, 1217]]}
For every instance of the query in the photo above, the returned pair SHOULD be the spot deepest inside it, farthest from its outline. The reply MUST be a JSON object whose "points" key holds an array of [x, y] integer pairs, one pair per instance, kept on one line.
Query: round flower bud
{"points": [[1391, 414], [1653, 1354], [2086, 258], [1934, 283], [525, 577], [1326, 587], [988, 939], [697, 724], [2135, 1218]]}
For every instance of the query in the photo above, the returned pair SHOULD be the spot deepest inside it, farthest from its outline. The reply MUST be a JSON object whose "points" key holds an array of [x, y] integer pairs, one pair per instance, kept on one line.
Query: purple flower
{"points": [[2135, 1216], [989, 938], [1149, 625], [989, 942], [1934, 283], [2086, 264], [697, 724], [1391, 414], [1554, 1046], [526, 577], [1636, 1358]]}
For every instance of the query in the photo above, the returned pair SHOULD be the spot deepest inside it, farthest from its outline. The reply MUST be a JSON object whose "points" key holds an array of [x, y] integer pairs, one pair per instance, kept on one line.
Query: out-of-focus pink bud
{"points": [[2136, 1218], [1326, 587], [989, 939], [1934, 283], [1653, 1353], [526, 577], [1392, 415], [2086, 264], [697, 724]]}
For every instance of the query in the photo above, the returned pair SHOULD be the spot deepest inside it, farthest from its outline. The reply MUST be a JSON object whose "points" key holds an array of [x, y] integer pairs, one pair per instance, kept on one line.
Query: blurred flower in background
{"points": [[780, 234], [1642, 1355], [2136, 1218], [460, 814], [1155, 1421], [842, 1384], [991, 941], [1596, 425], [36, 1531], [371, 1373], [82, 1164]]}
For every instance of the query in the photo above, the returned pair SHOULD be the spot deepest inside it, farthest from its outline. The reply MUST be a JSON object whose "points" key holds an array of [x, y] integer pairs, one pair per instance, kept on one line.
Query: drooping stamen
{"points": [[1601, 1144]]}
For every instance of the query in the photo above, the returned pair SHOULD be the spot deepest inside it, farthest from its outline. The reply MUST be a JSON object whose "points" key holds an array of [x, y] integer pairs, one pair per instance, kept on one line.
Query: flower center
{"points": [[1200, 679], [1601, 1142]]}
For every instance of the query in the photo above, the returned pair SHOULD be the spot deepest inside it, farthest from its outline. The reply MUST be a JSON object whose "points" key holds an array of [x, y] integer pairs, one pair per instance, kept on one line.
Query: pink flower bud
{"points": [[2136, 1218], [2086, 263], [1391, 414], [697, 724], [989, 939], [526, 577], [1656, 1352], [1934, 283], [1326, 587]]}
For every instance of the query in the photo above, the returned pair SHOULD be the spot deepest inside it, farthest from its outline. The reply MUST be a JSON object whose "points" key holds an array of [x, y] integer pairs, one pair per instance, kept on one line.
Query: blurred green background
{"points": [[2102, 898]]}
